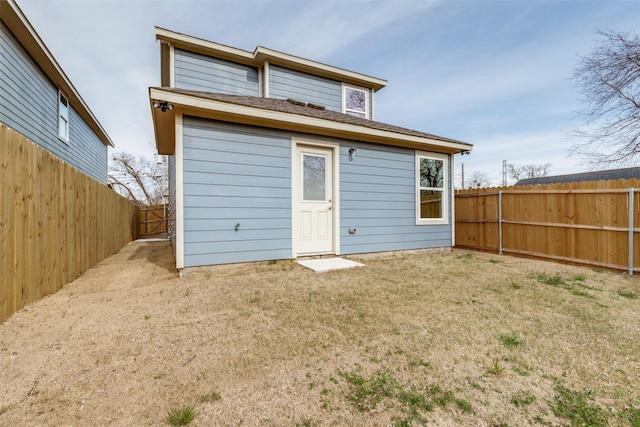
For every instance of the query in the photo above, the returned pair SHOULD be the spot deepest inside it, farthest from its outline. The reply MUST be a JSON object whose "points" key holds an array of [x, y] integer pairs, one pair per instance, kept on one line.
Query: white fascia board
{"points": [[299, 122], [266, 80], [214, 49], [266, 54], [172, 66], [179, 172]]}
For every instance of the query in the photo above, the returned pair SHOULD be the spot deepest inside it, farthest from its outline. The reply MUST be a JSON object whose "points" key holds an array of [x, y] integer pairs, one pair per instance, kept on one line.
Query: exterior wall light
{"points": [[162, 105]]}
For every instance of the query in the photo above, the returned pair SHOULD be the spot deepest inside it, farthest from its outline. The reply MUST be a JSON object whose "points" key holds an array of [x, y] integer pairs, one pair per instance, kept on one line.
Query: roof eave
{"points": [[17, 22], [235, 113], [164, 127], [262, 55]]}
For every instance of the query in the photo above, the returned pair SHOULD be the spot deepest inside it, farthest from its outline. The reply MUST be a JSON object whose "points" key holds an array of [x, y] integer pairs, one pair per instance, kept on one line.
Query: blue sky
{"points": [[495, 74]]}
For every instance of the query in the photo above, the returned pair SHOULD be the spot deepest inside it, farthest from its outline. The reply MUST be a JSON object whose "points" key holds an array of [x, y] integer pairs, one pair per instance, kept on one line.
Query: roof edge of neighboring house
{"points": [[13, 17], [602, 175], [281, 114]]}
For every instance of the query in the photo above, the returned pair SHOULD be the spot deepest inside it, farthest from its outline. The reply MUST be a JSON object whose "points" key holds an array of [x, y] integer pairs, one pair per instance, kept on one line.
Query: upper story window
{"points": [[63, 117], [432, 184], [355, 101]]}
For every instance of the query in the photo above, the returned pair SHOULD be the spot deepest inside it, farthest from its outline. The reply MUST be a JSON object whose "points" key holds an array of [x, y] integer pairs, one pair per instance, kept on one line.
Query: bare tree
{"points": [[609, 80], [138, 179], [478, 179], [518, 172]]}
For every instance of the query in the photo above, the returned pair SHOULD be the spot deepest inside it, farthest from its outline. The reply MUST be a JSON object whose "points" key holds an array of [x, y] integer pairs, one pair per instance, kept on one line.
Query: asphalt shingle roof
{"points": [[307, 109]]}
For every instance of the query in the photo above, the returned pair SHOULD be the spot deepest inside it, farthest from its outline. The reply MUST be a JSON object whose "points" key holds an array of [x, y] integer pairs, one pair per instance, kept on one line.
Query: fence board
{"points": [[55, 222], [153, 221], [585, 222]]}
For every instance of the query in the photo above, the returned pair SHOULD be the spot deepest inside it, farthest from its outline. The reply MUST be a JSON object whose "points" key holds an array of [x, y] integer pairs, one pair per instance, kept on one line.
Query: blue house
{"points": [[273, 156], [39, 101]]}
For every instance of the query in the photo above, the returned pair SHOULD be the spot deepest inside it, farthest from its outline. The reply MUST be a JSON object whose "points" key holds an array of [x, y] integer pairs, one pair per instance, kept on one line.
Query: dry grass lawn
{"points": [[444, 339]]}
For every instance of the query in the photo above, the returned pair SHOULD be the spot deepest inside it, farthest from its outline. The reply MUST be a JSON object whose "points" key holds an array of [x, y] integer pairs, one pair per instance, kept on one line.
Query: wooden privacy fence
{"points": [[595, 223], [55, 222], [153, 221]]}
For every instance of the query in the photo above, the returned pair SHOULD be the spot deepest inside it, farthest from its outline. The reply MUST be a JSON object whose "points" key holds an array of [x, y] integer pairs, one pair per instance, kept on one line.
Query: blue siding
{"points": [[29, 104], [86, 151], [285, 83], [242, 174], [377, 198], [235, 174], [194, 71]]}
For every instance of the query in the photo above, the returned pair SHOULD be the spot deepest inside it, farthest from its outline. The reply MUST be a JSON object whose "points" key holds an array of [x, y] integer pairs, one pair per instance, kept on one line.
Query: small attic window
{"points": [[355, 101]]}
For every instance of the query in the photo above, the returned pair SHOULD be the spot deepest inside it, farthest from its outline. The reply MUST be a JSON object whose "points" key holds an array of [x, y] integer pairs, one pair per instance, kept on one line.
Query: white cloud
{"points": [[323, 29], [493, 73]]}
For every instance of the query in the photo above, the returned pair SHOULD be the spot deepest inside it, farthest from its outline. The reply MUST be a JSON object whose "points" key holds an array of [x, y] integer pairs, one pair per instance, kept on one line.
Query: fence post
{"points": [[500, 221], [631, 223]]}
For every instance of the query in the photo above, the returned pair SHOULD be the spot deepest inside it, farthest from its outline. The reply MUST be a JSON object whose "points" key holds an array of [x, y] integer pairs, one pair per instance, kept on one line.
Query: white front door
{"points": [[314, 196]]}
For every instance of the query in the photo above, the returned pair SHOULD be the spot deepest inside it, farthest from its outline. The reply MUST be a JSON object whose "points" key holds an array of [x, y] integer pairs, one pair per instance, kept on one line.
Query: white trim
{"points": [[179, 159], [373, 104], [265, 74], [295, 188], [453, 201], [172, 36], [261, 55], [367, 95], [445, 188], [64, 138], [172, 66]]}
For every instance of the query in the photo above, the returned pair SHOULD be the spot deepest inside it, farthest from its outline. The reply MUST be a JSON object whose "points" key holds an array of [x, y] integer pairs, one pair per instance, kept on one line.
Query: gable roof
{"points": [[283, 114], [13, 17], [624, 173], [262, 55]]}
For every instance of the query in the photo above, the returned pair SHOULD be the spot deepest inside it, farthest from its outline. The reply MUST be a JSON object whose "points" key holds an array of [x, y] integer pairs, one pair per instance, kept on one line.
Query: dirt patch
{"points": [[456, 338]]}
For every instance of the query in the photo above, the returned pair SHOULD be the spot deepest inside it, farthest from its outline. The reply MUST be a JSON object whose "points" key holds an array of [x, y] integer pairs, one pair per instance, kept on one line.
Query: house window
{"points": [[355, 101], [432, 183], [63, 117]]}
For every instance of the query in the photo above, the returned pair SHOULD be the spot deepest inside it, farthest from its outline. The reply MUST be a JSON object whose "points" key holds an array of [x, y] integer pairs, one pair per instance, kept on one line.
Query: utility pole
{"points": [[504, 173], [462, 164]]}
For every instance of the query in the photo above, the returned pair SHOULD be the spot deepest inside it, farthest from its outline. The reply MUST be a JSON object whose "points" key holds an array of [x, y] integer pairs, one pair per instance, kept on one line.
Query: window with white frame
{"points": [[63, 117], [432, 184], [355, 101]]}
